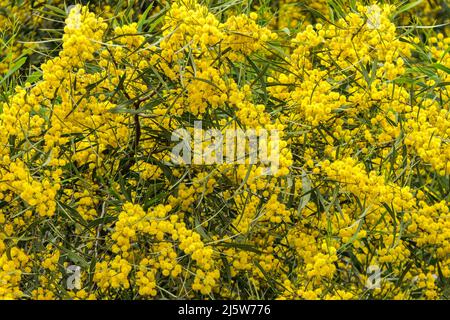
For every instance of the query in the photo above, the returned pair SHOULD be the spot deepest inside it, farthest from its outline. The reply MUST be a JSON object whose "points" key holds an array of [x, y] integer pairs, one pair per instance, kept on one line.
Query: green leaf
{"points": [[441, 67], [99, 221], [56, 10], [35, 76], [18, 63], [407, 7], [306, 196]]}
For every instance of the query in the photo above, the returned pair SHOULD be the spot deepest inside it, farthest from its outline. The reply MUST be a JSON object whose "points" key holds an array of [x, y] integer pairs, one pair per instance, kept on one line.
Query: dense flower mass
{"points": [[93, 207]]}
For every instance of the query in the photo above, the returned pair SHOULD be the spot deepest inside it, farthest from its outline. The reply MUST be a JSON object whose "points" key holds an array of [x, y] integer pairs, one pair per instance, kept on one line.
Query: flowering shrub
{"points": [[359, 205]]}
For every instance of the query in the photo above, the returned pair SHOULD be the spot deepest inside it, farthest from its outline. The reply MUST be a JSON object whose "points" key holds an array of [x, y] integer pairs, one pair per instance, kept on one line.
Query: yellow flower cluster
{"points": [[134, 223]]}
